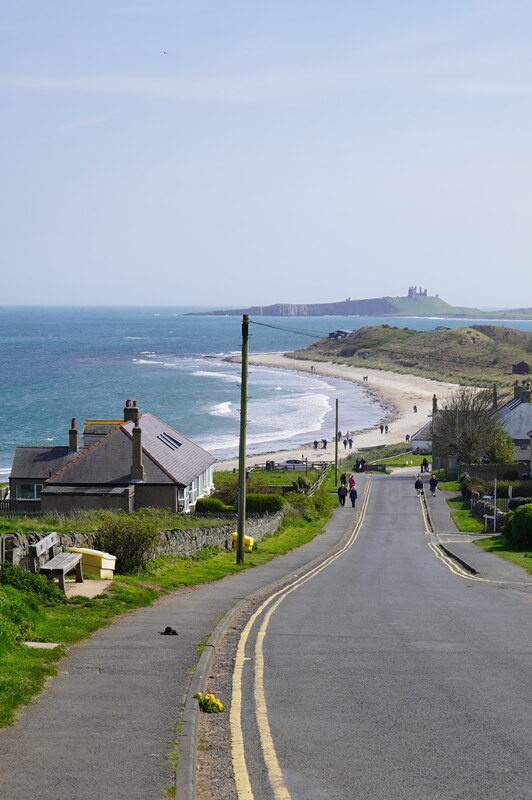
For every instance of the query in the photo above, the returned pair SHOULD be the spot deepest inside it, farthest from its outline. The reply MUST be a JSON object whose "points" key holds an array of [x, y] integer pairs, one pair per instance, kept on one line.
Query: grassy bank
{"points": [[23, 671], [465, 520], [475, 355], [503, 548]]}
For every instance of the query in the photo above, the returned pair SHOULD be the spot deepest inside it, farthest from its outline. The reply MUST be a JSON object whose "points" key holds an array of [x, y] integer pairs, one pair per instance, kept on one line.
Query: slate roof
{"points": [[180, 458], [168, 457], [39, 462], [424, 434]]}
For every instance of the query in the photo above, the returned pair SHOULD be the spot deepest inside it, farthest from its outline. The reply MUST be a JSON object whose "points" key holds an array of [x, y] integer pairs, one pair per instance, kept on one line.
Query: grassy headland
{"points": [[477, 355]]}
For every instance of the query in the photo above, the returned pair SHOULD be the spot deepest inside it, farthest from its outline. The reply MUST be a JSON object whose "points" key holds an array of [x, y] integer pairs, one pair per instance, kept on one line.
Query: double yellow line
{"points": [[275, 776], [453, 565]]}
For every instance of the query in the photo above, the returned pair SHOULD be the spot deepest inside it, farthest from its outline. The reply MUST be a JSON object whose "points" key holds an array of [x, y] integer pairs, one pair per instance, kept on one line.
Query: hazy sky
{"points": [[234, 153]]}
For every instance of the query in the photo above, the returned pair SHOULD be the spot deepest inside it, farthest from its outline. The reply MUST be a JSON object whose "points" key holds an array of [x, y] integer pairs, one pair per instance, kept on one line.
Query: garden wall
{"points": [[490, 471], [481, 506], [14, 547]]}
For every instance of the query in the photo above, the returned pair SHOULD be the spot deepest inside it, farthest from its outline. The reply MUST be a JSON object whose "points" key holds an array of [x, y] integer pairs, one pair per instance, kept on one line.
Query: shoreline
{"points": [[396, 392]]}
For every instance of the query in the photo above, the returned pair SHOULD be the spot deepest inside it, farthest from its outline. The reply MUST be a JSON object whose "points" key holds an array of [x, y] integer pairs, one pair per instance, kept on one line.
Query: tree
{"points": [[501, 448], [465, 426]]}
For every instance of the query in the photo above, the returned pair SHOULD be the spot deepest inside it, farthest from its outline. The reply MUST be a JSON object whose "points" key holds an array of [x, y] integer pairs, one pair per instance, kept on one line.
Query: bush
{"points": [[46, 592], [303, 505], [515, 502], [211, 505], [264, 503], [321, 500], [511, 475], [521, 527], [132, 538]]}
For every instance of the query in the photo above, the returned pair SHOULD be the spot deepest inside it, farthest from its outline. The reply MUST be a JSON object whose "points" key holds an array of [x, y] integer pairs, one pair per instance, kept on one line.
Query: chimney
{"points": [[131, 412], [516, 389], [137, 470], [495, 399], [73, 437], [434, 405]]}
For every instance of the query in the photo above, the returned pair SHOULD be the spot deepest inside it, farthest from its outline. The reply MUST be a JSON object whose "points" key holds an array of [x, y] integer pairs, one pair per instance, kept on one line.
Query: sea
{"points": [[84, 362]]}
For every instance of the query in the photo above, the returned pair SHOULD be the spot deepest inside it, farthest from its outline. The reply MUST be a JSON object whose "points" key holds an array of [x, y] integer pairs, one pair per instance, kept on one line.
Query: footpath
{"points": [[460, 546], [105, 726]]}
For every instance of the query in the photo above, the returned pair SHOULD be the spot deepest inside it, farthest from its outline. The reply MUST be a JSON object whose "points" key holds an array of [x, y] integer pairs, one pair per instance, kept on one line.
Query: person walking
{"points": [[418, 486], [425, 465], [350, 441], [342, 494], [345, 444], [352, 482], [382, 428], [362, 464], [353, 496], [357, 465], [433, 482], [315, 444], [386, 429], [343, 479]]}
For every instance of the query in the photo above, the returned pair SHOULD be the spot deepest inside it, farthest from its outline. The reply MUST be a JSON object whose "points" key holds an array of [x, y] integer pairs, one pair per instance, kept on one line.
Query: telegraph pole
{"points": [[336, 447], [241, 529]]}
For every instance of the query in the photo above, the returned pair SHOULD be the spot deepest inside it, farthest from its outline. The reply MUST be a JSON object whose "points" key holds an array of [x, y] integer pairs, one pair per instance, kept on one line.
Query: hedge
{"points": [[211, 505], [264, 503], [518, 527]]}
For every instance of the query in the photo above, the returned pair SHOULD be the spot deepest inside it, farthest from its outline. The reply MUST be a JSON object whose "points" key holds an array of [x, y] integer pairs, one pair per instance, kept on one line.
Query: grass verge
{"points": [[465, 519], [23, 670], [502, 547]]}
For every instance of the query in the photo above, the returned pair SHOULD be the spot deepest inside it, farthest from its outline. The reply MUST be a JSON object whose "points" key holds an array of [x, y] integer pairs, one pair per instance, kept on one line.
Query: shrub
{"points": [[211, 505], [40, 587], [521, 528], [515, 502], [132, 538], [303, 505], [301, 484], [264, 503], [321, 500], [227, 489], [511, 475]]}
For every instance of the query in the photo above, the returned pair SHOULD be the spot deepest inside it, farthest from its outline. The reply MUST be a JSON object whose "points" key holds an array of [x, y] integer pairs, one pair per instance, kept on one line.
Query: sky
{"points": [[235, 153]]}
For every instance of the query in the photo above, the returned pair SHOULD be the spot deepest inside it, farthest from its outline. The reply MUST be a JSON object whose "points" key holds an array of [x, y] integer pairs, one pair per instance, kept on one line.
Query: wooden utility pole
{"points": [[241, 529], [336, 447]]}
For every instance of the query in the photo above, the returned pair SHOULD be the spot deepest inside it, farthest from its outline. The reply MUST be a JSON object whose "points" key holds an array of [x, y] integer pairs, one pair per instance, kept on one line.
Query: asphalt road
{"points": [[387, 675]]}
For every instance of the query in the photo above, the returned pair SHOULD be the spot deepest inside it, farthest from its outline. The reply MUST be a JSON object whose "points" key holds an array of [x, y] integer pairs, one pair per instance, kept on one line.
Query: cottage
{"points": [[516, 419], [126, 464], [339, 334], [521, 368]]}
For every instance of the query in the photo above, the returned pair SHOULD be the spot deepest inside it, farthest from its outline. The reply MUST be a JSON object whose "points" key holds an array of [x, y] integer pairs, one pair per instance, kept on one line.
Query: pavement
{"points": [[106, 726]]}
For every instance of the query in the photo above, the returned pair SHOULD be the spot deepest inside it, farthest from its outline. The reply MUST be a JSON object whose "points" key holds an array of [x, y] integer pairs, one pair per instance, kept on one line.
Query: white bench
{"points": [[58, 565]]}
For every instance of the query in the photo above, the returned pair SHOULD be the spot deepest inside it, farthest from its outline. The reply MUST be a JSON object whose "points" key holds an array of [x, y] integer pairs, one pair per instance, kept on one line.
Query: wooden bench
{"points": [[58, 565]]}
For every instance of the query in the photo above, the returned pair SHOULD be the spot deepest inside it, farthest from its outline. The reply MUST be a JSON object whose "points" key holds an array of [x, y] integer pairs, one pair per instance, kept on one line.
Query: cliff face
{"points": [[377, 307]]}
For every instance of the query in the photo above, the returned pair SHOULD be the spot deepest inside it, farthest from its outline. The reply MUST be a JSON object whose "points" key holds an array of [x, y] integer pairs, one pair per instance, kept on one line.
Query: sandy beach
{"points": [[397, 393]]}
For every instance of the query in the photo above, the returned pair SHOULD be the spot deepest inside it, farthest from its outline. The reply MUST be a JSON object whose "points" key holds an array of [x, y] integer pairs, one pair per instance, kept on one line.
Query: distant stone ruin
{"points": [[413, 292]]}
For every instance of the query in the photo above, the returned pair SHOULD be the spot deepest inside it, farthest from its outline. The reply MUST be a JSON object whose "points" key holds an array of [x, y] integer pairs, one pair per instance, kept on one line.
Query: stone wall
{"points": [[14, 547], [481, 506], [490, 471]]}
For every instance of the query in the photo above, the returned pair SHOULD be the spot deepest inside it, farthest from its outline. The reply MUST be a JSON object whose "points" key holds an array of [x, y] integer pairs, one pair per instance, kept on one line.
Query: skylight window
{"points": [[169, 441]]}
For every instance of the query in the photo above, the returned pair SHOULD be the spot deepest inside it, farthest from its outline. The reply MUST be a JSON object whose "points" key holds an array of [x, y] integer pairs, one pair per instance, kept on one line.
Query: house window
{"points": [[28, 491]]}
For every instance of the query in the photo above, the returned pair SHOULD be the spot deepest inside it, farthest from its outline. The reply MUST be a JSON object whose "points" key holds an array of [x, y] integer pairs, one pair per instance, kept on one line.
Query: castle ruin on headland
{"points": [[413, 292]]}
